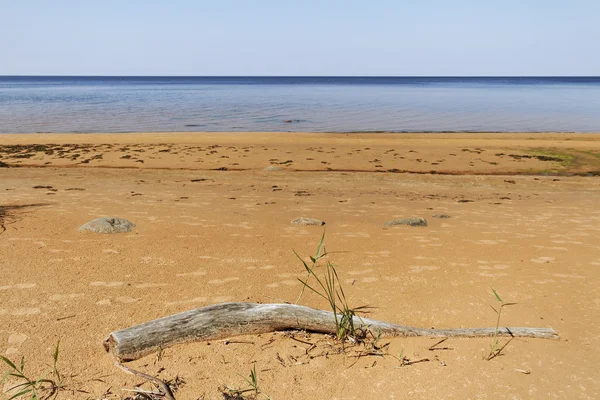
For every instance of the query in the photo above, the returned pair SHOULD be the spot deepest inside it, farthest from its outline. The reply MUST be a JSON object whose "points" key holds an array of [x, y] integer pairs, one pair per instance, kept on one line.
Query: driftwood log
{"points": [[225, 320]]}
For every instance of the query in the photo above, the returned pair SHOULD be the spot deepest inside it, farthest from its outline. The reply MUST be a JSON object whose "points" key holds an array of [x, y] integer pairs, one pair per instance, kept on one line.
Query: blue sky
{"points": [[305, 37]]}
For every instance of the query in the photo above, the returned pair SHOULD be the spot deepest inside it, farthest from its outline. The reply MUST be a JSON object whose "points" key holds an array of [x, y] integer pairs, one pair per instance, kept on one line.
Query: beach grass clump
{"points": [[496, 347], [45, 386], [564, 159], [328, 287], [569, 161], [251, 392]]}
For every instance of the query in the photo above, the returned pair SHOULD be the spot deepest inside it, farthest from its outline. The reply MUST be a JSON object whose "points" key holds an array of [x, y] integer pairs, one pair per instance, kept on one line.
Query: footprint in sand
{"points": [[286, 282], [543, 282], [490, 242], [26, 311], [367, 279], [149, 285], [221, 299], [357, 235], [568, 276], [195, 273], [107, 284], [225, 280], [243, 225], [492, 275], [424, 258], [188, 301], [495, 266], [287, 275], [19, 286], [66, 297], [550, 248], [126, 299], [421, 268], [14, 342], [17, 339], [249, 260], [360, 272], [289, 282], [383, 253], [295, 231], [542, 260], [122, 299], [156, 261]]}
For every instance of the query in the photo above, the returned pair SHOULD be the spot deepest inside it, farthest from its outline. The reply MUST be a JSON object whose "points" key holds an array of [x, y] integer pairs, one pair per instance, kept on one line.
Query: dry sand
{"points": [[213, 226]]}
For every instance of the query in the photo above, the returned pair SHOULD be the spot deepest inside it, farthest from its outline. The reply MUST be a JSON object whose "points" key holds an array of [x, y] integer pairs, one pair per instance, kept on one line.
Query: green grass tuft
{"points": [[495, 347], [34, 388]]}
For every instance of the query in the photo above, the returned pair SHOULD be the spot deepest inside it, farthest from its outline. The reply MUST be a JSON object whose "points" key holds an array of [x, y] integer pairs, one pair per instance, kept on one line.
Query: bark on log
{"points": [[225, 320]]}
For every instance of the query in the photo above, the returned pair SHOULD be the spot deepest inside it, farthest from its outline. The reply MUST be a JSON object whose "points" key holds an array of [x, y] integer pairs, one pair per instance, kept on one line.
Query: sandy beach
{"points": [[212, 214]]}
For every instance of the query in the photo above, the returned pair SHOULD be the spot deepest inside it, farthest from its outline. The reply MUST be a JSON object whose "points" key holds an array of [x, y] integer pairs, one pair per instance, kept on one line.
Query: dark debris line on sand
{"points": [[7, 213]]}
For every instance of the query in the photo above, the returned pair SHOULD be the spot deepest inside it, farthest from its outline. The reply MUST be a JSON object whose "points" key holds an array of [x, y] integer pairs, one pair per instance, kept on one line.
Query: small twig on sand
{"points": [[407, 363], [434, 346], [301, 341], [499, 351], [166, 390]]}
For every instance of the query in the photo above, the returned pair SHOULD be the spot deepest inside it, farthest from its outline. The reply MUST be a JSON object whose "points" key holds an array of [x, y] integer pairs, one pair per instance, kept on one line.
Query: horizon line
{"points": [[299, 76]]}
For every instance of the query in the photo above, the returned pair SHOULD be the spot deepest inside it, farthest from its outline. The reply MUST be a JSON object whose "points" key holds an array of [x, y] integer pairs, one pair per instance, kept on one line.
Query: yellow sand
{"points": [[205, 236]]}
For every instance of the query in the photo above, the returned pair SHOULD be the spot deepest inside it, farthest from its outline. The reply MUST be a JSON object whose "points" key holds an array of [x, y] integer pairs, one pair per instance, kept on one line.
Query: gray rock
{"points": [[108, 225], [273, 168], [441, 216], [412, 221], [308, 221]]}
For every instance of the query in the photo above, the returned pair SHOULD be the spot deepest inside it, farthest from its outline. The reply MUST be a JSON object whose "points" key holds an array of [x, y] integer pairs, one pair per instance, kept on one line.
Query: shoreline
{"points": [[459, 134], [417, 153]]}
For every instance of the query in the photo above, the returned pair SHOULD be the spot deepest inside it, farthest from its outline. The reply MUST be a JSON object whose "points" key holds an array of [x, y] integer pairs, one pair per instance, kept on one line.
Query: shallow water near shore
{"points": [[303, 104]]}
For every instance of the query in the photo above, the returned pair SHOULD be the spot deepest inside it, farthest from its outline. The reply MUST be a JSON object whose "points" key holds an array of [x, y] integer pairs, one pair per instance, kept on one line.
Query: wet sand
{"points": [[214, 226]]}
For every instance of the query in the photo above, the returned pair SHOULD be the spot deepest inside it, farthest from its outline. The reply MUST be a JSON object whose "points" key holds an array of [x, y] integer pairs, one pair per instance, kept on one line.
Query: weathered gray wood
{"points": [[224, 320]]}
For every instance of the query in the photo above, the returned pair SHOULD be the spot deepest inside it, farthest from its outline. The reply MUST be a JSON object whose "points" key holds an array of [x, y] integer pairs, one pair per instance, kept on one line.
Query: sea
{"points": [[45, 104]]}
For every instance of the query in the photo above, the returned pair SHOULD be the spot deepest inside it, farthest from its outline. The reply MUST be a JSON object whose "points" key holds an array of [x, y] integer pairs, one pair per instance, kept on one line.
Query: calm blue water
{"points": [[139, 104]]}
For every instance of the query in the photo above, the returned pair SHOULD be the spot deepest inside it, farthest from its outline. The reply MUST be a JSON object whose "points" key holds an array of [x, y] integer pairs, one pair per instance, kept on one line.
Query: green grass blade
{"points": [[320, 246], [9, 363], [55, 358], [312, 289], [23, 393], [6, 375], [303, 262], [497, 296]]}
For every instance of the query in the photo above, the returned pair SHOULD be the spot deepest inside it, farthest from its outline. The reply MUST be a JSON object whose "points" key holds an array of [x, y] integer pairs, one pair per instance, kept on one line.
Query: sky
{"points": [[300, 37]]}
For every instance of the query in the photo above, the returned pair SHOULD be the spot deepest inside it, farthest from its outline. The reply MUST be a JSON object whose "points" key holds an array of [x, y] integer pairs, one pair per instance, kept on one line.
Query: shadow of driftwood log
{"points": [[8, 213]]}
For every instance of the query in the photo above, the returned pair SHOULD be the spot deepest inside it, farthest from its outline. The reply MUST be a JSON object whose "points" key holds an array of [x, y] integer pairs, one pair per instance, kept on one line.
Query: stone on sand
{"points": [[273, 168], [308, 221], [441, 216], [108, 225], [412, 221]]}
